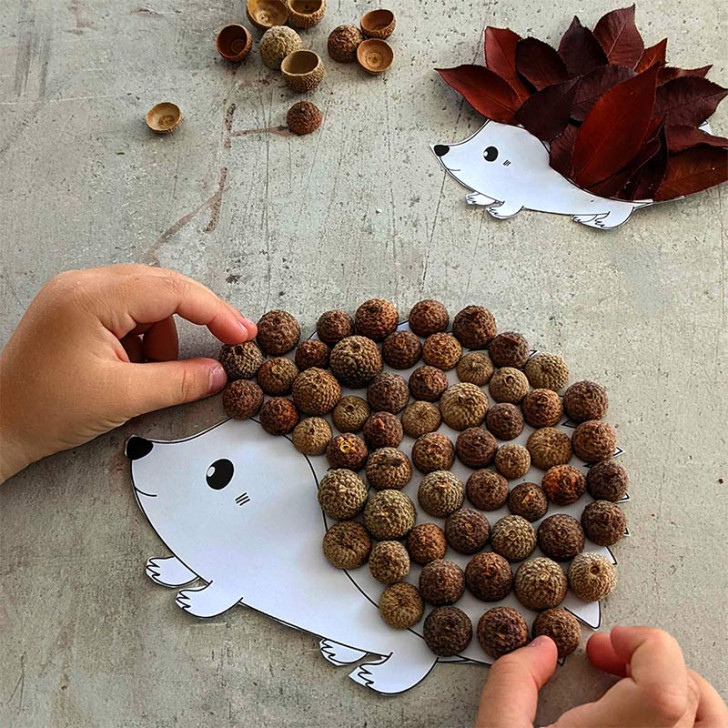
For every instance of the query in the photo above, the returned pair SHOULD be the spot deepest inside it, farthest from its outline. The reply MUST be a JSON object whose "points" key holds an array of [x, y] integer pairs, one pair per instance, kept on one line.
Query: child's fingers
{"points": [[601, 654], [161, 342], [712, 711]]}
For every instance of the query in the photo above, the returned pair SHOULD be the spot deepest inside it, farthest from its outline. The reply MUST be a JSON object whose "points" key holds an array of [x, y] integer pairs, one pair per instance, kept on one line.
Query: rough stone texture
{"points": [[635, 309]]}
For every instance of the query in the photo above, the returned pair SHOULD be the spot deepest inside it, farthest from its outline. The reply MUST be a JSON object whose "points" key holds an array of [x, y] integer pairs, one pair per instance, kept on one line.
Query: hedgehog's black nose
{"points": [[137, 447], [441, 149]]}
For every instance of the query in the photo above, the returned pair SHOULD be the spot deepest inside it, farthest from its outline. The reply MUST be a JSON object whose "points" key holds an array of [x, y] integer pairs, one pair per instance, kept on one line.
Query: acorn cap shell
{"points": [[164, 118], [265, 14], [302, 70], [374, 55], [234, 42], [304, 118], [306, 13], [378, 23], [343, 42]]}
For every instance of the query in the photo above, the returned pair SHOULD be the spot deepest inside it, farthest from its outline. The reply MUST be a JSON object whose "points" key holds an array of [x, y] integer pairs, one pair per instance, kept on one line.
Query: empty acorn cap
{"points": [[378, 23], [302, 70], [305, 13], [164, 118], [265, 14], [374, 55], [234, 42]]}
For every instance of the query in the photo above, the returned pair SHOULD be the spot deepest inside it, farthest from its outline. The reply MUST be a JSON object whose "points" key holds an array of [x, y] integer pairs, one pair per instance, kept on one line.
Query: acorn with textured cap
{"points": [[316, 391], [242, 399], [476, 447], [355, 361], [540, 583], [547, 371], [440, 493], [504, 420], [603, 522], [542, 408], [549, 447], [350, 414], [488, 577], [528, 501], [401, 350], [389, 562], [442, 350], [376, 319], [487, 490], [475, 367], [502, 630], [508, 385], [594, 440], [389, 514], [241, 361], [433, 451], [312, 353], [592, 577], [509, 349], [474, 327], [304, 117], [563, 484], [278, 333], [426, 543], [586, 401], [512, 461], [463, 405], [347, 451], [428, 317], [442, 582], [277, 42], [560, 537], [388, 469], [278, 416], [513, 538], [343, 42], [342, 494], [420, 417], [276, 376], [562, 627], [347, 544], [607, 480], [311, 436], [388, 392], [467, 531], [428, 383], [333, 326], [447, 631], [382, 429], [401, 606]]}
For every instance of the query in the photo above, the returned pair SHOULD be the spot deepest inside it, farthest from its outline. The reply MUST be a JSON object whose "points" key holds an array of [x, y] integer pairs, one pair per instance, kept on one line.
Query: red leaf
{"points": [[539, 63], [680, 138], [594, 84], [546, 113], [484, 90], [614, 130], [652, 55], [668, 73], [692, 171], [619, 37], [580, 50], [688, 100], [647, 178], [611, 186], [500, 56], [561, 150]]}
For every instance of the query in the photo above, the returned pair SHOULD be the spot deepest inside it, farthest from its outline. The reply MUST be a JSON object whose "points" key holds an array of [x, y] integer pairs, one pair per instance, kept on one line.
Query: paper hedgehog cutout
{"points": [[595, 129]]}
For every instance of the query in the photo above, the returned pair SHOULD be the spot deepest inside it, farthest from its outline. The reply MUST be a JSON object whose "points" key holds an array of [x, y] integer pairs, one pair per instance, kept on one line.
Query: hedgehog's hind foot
{"points": [[605, 220], [504, 210], [396, 672], [338, 654], [169, 572]]}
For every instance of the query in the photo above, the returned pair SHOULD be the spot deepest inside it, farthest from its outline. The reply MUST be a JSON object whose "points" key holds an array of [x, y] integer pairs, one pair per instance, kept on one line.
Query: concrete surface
{"points": [[360, 208]]}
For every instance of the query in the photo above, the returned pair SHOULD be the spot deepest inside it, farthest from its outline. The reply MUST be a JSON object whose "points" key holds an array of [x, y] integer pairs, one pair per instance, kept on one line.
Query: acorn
{"points": [[355, 361], [463, 405], [347, 451], [278, 42], [311, 436], [278, 416], [388, 469], [593, 441], [442, 582], [164, 118], [607, 480], [316, 391], [265, 14], [442, 350], [350, 414], [389, 562], [401, 350], [420, 417], [427, 383], [560, 537], [388, 392], [342, 494], [513, 538], [302, 70], [242, 399], [586, 401], [376, 319], [488, 577], [548, 447], [487, 490], [333, 326], [476, 447], [603, 522], [401, 606], [276, 376], [542, 408], [433, 451], [504, 420], [378, 23], [512, 461], [312, 353], [428, 317], [467, 531], [343, 42], [447, 631], [475, 367], [278, 332], [502, 630], [563, 484], [508, 385], [440, 493], [547, 371], [304, 118], [240, 361], [592, 577], [561, 626], [389, 514], [509, 349], [426, 543], [474, 327], [528, 501], [347, 544], [305, 13], [374, 56], [540, 583], [382, 429], [234, 42]]}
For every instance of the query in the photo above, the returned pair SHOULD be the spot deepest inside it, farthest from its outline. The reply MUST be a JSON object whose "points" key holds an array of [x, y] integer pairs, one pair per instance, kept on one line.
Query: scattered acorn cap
{"points": [[347, 451], [302, 70], [420, 417], [594, 440], [374, 56], [278, 332], [586, 400], [343, 42], [312, 353], [376, 319], [401, 606], [442, 350], [508, 385], [278, 416], [333, 326], [388, 468], [355, 361], [388, 392], [467, 531], [234, 42], [378, 23], [304, 117], [428, 383], [561, 626], [164, 118], [607, 480], [502, 630], [306, 13], [277, 43], [347, 544], [265, 14], [513, 538], [447, 631], [433, 451], [509, 349], [528, 501], [401, 350], [547, 371], [276, 376], [440, 493], [592, 577]]}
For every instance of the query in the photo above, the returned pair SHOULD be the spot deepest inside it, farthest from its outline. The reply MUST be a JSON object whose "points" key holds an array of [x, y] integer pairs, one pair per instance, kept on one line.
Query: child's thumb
{"points": [[164, 384]]}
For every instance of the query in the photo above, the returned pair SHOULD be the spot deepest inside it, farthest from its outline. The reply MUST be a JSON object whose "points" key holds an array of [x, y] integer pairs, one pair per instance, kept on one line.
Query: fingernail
{"points": [[539, 641], [218, 379]]}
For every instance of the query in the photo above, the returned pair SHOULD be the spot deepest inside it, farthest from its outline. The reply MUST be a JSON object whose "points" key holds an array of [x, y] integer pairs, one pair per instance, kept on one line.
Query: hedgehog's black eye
{"points": [[490, 154], [219, 474]]}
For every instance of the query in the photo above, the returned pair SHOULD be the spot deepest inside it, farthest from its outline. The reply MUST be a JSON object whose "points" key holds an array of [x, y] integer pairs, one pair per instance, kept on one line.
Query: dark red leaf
{"points": [[580, 50], [668, 73], [652, 55], [500, 56], [680, 138], [546, 113], [647, 178], [484, 90], [614, 130], [619, 37], [688, 100], [594, 84], [654, 127], [562, 148], [611, 186], [692, 171], [539, 63]]}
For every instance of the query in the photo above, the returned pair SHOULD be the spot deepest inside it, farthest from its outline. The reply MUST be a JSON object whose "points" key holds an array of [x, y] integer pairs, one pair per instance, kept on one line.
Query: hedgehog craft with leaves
{"points": [[595, 129]]}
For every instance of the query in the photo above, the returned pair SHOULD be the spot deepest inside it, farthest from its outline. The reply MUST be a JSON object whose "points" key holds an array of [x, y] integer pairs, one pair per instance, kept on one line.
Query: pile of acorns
{"points": [[305, 392]]}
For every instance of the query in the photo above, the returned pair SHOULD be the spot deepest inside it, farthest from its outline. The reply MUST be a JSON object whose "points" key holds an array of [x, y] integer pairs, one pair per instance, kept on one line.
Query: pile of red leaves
{"points": [[619, 122]]}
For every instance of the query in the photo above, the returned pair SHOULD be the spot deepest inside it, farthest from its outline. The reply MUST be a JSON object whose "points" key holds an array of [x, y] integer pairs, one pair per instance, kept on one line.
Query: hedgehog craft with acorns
{"points": [[596, 129]]}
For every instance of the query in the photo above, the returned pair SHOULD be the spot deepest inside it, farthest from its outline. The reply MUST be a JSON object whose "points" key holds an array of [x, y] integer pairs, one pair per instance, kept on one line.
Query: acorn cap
{"points": [[374, 55], [265, 14], [378, 23], [343, 42], [234, 42], [164, 118], [305, 13], [304, 118], [302, 70], [277, 42]]}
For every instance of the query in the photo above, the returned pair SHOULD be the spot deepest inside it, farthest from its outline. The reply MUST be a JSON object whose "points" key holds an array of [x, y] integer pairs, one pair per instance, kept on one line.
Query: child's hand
{"points": [[656, 688], [98, 347]]}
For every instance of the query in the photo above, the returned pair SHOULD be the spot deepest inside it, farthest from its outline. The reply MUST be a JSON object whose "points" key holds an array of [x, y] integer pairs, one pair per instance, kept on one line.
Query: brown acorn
{"points": [[428, 317], [164, 118], [304, 118], [376, 319], [265, 14], [302, 70], [234, 42], [374, 56], [343, 42], [378, 23], [306, 13]]}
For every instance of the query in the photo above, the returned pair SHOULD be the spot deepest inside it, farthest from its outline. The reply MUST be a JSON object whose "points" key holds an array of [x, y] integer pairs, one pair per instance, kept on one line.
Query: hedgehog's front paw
{"points": [[396, 673], [475, 198], [169, 572], [208, 601], [338, 654], [504, 210]]}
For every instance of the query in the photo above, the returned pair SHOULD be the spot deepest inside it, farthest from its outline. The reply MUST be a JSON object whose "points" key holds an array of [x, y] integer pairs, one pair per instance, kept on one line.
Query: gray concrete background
{"points": [[358, 209]]}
